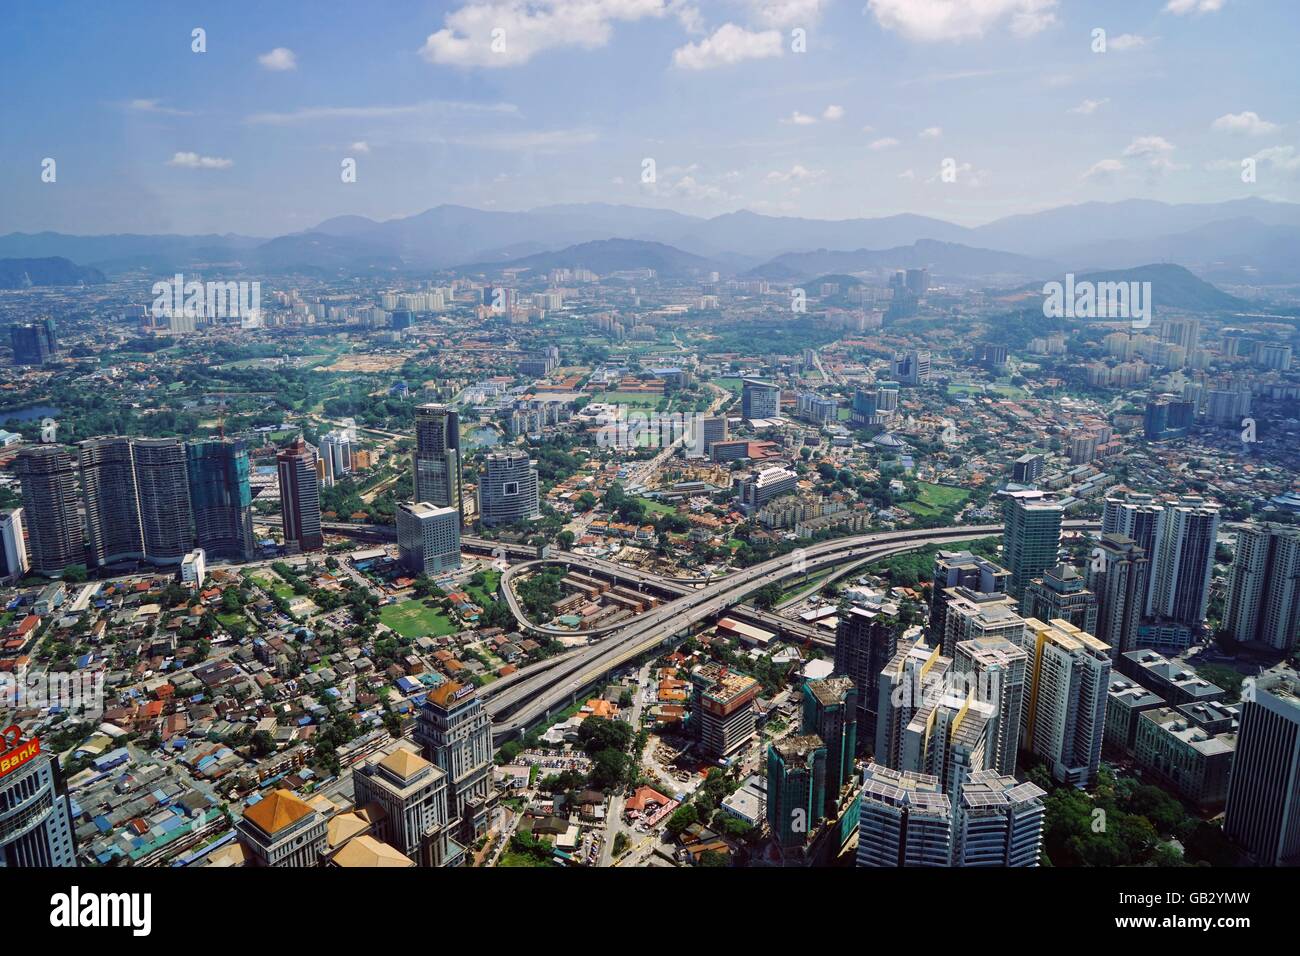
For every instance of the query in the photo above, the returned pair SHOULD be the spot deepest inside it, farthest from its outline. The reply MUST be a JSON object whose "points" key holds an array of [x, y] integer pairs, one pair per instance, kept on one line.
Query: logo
{"points": [[75, 691], [206, 300], [75, 909], [14, 751], [48, 429], [1098, 300], [622, 429]]}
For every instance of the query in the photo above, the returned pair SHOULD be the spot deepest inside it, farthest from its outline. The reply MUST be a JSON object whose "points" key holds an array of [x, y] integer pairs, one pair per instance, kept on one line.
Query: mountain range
{"points": [[1246, 241]]}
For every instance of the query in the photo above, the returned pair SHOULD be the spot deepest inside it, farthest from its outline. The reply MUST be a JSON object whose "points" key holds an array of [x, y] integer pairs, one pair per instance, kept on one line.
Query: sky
{"points": [[817, 108]]}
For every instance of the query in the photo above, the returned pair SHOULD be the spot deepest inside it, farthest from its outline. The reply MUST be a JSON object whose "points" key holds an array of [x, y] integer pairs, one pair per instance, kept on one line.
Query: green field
{"points": [[999, 390], [413, 619], [277, 587], [935, 500], [657, 507], [628, 398], [487, 594]]}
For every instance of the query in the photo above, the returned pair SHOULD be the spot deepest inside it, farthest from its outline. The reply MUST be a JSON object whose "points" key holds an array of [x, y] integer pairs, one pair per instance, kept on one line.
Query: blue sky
{"points": [[248, 137]]}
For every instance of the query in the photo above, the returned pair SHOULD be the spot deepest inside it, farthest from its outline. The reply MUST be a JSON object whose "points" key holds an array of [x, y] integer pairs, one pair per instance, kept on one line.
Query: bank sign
{"points": [[14, 751]]}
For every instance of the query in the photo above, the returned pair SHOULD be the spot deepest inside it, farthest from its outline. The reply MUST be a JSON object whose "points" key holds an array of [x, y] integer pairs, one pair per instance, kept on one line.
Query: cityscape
{"points": [[727, 510]]}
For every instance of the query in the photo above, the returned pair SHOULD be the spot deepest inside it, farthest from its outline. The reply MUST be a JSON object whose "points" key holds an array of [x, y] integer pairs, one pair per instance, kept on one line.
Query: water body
{"points": [[31, 413], [480, 436]]}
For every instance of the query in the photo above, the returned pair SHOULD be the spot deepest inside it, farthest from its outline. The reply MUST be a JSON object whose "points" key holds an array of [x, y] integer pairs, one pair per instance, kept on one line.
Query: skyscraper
{"points": [[455, 733], [34, 343], [112, 499], [1263, 809], [436, 458], [961, 569], [164, 497], [999, 822], [759, 399], [1263, 602], [221, 499], [35, 815], [1069, 682], [1140, 518], [830, 710], [507, 489], [917, 673], [13, 549], [49, 481], [796, 788], [1118, 574], [413, 795], [428, 537], [865, 640], [1031, 539], [998, 670], [1061, 594], [1184, 561], [904, 819], [299, 497], [336, 454]]}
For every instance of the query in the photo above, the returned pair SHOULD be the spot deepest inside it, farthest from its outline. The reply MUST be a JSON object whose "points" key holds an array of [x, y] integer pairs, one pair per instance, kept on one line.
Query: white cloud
{"points": [[883, 143], [1284, 158], [833, 113], [800, 119], [1247, 122], [1103, 170], [1088, 107], [796, 174], [907, 174], [511, 32], [360, 146], [324, 113], [1182, 7], [195, 161], [155, 106], [1155, 150], [279, 60], [939, 20], [786, 13], [1125, 42], [932, 132], [728, 45]]}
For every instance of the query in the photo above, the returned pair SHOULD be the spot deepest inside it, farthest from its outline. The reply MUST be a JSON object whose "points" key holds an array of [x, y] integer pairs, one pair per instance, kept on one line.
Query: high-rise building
{"points": [[221, 499], [865, 640], [436, 459], [1141, 518], [913, 368], [299, 497], [13, 549], [999, 822], [1263, 808], [1263, 602], [1027, 468], [508, 489], [904, 819], [997, 669], [281, 829], [1183, 563], [108, 485], [1166, 419], [917, 673], [412, 793], [961, 569], [796, 788], [973, 615], [759, 399], [1061, 594], [336, 454], [428, 538], [455, 733], [722, 710], [34, 343], [48, 475], [164, 495], [1118, 574], [1069, 682], [35, 813], [1031, 539], [830, 710]]}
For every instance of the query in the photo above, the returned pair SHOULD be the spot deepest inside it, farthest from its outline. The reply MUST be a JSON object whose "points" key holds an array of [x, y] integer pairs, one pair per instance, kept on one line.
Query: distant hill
{"points": [[55, 270], [943, 259], [1172, 287], [610, 255]]}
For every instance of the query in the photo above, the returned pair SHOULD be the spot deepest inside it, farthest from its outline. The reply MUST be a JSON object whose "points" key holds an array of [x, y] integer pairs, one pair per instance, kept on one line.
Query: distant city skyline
{"points": [[249, 136]]}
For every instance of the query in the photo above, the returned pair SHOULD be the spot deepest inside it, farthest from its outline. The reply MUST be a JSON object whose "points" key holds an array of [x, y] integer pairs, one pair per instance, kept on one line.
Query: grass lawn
{"points": [[628, 398], [277, 587], [510, 858], [413, 619], [657, 507], [487, 594], [935, 499], [733, 385], [234, 618]]}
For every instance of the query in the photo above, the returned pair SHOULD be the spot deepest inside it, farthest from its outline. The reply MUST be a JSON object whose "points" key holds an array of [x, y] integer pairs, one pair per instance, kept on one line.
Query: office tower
{"points": [[918, 281], [34, 343], [412, 793], [1061, 594], [912, 368], [722, 710], [164, 496], [1263, 809], [507, 489], [299, 497], [917, 673], [13, 549], [428, 538], [1069, 682], [759, 399], [1118, 573], [336, 454], [712, 429], [904, 819], [282, 830], [436, 458], [48, 476], [108, 486], [796, 788], [1184, 561], [757, 490], [1031, 539], [998, 670], [1263, 602], [830, 710], [874, 406], [1166, 419], [220, 498], [961, 569], [865, 640], [1026, 469], [35, 812], [999, 822], [455, 733]]}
